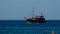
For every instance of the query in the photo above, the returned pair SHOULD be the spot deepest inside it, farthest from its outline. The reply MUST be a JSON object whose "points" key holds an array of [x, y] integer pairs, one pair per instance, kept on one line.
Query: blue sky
{"points": [[18, 9]]}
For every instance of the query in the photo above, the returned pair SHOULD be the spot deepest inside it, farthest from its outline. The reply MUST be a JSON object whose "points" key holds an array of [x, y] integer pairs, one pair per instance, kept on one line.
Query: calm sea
{"points": [[22, 27]]}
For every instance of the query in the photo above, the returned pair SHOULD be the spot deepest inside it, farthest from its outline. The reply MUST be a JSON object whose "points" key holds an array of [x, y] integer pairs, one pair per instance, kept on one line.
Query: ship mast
{"points": [[33, 17], [42, 13], [33, 12]]}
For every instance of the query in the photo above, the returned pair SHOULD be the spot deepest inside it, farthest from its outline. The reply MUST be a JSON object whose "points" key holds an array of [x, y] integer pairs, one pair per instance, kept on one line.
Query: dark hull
{"points": [[37, 20]]}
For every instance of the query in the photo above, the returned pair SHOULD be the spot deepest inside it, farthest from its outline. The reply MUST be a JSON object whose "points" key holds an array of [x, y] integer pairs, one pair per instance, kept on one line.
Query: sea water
{"points": [[22, 27]]}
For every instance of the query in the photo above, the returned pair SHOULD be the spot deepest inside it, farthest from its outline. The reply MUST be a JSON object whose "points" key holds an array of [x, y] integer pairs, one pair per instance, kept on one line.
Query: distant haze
{"points": [[18, 9]]}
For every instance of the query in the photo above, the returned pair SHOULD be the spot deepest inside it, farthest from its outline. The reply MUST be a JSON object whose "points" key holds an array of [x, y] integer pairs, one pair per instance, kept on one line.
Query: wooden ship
{"points": [[35, 19]]}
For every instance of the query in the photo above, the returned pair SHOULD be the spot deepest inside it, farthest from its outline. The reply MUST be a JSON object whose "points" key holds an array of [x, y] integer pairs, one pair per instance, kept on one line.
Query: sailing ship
{"points": [[35, 19]]}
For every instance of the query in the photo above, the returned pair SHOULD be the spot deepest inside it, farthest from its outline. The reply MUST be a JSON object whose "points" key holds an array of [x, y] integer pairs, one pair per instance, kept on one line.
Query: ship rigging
{"points": [[35, 19]]}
